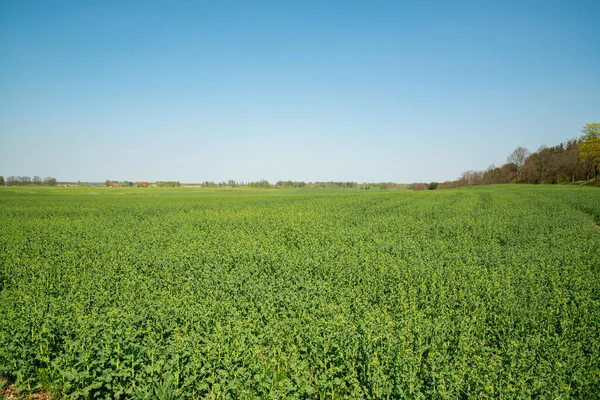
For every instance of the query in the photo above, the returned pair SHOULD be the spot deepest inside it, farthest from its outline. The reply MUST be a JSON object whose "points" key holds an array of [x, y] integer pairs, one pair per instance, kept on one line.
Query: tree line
{"points": [[261, 184], [113, 183], [264, 184], [27, 181], [576, 160]]}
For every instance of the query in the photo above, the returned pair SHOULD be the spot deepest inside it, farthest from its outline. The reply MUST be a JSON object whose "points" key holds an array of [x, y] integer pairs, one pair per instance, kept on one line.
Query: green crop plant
{"points": [[482, 292]]}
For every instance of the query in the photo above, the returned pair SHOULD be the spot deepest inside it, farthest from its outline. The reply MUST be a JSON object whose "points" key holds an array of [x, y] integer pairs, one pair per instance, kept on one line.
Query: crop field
{"points": [[484, 292]]}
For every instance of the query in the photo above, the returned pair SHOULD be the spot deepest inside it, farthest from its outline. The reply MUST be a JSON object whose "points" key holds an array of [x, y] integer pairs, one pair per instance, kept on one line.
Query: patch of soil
{"points": [[10, 392]]}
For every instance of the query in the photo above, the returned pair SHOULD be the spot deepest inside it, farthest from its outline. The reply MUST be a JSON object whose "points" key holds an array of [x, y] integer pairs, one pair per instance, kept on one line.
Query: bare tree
{"points": [[419, 186], [543, 156], [518, 157], [572, 161]]}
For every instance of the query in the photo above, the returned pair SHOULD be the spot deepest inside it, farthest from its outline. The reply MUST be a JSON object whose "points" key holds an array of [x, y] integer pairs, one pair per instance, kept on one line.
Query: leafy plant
{"points": [[482, 292]]}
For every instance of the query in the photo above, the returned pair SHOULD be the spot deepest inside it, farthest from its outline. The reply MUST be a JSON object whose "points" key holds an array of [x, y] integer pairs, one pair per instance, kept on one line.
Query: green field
{"points": [[486, 292]]}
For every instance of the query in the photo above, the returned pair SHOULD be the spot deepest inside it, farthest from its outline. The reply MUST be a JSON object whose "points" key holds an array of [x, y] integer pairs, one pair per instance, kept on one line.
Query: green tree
{"points": [[1, 180], [589, 148], [591, 131]]}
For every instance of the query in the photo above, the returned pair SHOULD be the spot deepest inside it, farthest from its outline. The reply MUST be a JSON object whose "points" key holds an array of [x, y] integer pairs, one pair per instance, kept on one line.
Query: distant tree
{"points": [[542, 163], [589, 148], [507, 173], [433, 185], [563, 162], [518, 157], [419, 186], [167, 183], [530, 172], [449, 185], [572, 162], [285, 184], [466, 178], [50, 181], [470, 178], [591, 131], [504, 174], [1, 180], [589, 151], [37, 180]]}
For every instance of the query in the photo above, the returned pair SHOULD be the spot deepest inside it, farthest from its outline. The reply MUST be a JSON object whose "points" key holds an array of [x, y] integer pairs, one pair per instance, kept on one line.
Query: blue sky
{"points": [[400, 91]]}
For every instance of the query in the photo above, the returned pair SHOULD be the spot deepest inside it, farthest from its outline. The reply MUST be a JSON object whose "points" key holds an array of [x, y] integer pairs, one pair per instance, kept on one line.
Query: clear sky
{"points": [[400, 91]]}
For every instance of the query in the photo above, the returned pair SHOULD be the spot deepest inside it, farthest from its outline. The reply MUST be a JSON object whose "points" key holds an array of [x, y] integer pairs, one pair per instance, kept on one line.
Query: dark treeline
{"points": [[27, 181], [575, 160]]}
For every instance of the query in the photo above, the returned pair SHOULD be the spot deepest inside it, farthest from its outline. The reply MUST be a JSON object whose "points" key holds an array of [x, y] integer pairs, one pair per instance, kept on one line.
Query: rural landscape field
{"points": [[150, 293]]}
